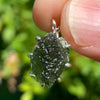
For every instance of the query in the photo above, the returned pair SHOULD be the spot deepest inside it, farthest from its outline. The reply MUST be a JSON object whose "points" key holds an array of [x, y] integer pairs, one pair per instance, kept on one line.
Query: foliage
{"points": [[17, 38]]}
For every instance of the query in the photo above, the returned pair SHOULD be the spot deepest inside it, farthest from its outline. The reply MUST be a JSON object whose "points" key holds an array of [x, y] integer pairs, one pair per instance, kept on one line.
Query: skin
{"points": [[85, 41]]}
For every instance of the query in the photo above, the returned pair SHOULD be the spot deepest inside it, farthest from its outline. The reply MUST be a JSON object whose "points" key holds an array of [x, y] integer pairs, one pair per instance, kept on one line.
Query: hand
{"points": [[79, 21]]}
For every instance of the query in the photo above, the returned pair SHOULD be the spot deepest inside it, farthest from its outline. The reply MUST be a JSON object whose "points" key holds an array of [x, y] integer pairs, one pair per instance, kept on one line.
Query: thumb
{"points": [[80, 25]]}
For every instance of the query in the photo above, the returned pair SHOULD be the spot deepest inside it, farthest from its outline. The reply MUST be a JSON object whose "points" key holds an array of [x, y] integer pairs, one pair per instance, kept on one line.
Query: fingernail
{"points": [[84, 22]]}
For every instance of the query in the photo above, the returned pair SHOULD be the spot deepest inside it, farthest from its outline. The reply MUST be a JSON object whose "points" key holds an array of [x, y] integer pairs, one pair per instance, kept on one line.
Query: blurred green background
{"points": [[17, 39]]}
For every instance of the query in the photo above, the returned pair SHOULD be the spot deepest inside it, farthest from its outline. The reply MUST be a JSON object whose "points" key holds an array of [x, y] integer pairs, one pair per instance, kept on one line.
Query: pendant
{"points": [[49, 58]]}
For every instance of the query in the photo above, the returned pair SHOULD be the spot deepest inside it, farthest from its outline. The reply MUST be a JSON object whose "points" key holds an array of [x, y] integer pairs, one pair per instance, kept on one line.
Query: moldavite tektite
{"points": [[49, 58]]}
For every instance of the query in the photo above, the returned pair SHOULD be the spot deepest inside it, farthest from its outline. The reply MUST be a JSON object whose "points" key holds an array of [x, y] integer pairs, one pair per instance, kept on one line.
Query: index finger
{"points": [[46, 10]]}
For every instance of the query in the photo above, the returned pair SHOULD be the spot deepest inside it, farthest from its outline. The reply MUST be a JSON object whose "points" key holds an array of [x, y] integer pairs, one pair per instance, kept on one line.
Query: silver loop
{"points": [[55, 29]]}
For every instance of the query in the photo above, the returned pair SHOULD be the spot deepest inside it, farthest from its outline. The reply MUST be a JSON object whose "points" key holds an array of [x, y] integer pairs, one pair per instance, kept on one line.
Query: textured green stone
{"points": [[49, 58]]}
